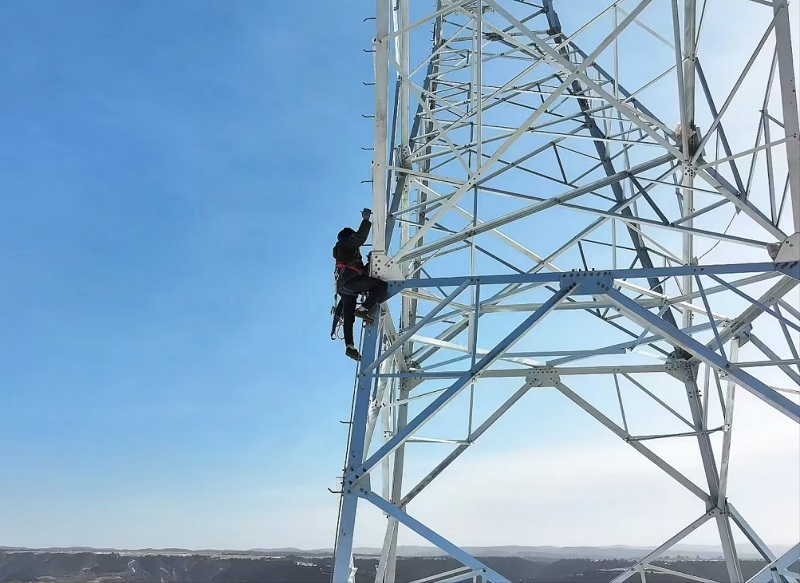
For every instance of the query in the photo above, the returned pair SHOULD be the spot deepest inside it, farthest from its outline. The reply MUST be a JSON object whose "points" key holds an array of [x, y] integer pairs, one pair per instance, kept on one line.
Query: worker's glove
{"points": [[365, 214]]}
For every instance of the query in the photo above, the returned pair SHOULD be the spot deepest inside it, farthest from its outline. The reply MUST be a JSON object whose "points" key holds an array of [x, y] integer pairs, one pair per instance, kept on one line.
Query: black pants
{"points": [[376, 293]]}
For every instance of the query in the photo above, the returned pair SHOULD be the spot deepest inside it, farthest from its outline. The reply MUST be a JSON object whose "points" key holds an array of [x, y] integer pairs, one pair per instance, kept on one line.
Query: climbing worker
{"points": [[352, 279]]}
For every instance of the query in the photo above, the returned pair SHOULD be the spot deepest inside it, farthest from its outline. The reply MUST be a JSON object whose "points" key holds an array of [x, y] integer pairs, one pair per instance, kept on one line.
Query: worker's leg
{"points": [[377, 295], [374, 288], [348, 317]]}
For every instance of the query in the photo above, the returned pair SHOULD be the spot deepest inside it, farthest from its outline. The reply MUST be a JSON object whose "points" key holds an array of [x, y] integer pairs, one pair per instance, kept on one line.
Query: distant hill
{"points": [[703, 552], [140, 566], [538, 552]]}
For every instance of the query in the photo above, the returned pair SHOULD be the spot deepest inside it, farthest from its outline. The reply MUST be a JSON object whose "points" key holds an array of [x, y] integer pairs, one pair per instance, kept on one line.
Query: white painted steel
{"points": [[534, 170]]}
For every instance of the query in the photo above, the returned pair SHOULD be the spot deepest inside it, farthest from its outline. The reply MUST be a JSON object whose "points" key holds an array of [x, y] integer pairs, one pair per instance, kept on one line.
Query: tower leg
{"points": [[355, 457], [712, 476], [791, 120]]}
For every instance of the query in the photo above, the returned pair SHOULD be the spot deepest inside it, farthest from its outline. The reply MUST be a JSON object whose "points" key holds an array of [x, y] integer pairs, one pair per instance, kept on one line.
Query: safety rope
{"points": [[725, 232]]}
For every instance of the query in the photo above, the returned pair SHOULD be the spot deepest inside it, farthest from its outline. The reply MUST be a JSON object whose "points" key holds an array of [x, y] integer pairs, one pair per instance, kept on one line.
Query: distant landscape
{"points": [[520, 564]]}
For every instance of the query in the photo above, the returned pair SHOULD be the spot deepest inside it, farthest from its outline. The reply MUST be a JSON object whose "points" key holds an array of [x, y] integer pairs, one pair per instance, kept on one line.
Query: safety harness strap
{"points": [[340, 265]]}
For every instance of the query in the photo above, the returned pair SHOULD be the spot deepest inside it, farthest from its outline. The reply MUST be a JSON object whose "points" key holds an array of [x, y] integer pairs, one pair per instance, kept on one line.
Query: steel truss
{"points": [[526, 171]]}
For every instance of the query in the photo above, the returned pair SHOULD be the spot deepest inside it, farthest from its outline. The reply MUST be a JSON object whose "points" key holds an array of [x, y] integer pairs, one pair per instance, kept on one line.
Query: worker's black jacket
{"points": [[347, 255]]}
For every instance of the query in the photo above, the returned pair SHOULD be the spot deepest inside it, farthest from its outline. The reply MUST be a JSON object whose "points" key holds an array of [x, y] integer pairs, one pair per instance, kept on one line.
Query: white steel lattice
{"points": [[601, 172]]}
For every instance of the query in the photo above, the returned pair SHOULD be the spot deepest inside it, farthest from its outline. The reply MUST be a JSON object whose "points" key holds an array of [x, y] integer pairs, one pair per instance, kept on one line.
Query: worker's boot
{"points": [[352, 352], [364, 315]]}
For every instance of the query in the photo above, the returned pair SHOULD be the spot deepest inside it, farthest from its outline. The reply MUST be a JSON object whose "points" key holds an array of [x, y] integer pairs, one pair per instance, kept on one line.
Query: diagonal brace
{"points": [[644, 317], [448, 395], [463, 447], [441, 542]]}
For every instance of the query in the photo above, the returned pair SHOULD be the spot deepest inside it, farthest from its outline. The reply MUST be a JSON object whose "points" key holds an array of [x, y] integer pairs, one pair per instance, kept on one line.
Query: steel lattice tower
{"points": [[525, 171]]}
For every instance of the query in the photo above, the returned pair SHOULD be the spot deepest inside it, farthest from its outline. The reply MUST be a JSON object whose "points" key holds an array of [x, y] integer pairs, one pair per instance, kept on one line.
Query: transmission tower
{"points": [[585, 164]]}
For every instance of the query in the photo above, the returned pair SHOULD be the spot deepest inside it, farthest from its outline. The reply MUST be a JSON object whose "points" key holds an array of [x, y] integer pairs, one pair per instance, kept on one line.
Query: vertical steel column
{"points": [[791, 123], [403, 60], [355, 457], [728, 424], [712, 477], [689, 138], [687, 76], [388, 561], [408, 130], [379, 161], [476, 134], [398, 467]]}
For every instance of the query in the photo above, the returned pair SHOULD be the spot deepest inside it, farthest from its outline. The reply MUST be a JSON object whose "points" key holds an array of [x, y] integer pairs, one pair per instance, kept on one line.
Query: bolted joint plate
{"points": [[743, 334], [543, 376], [587, 282], [787, 255], [683, 370], [403, 154], [787, 251], [352, 484], [382, 267]]}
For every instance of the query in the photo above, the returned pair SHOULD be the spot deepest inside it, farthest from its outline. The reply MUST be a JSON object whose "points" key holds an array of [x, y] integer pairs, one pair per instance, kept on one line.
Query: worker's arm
{"points": [[355, 240], [363, 229], [360, 236]]}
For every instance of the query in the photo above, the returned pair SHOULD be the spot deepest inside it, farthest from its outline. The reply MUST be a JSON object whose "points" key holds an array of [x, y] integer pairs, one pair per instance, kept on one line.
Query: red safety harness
{"points": [[347, 266]]}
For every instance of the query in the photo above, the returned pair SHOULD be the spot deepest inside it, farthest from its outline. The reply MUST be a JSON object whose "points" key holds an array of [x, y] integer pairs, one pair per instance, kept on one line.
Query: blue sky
{"points": [[172, 176]]}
